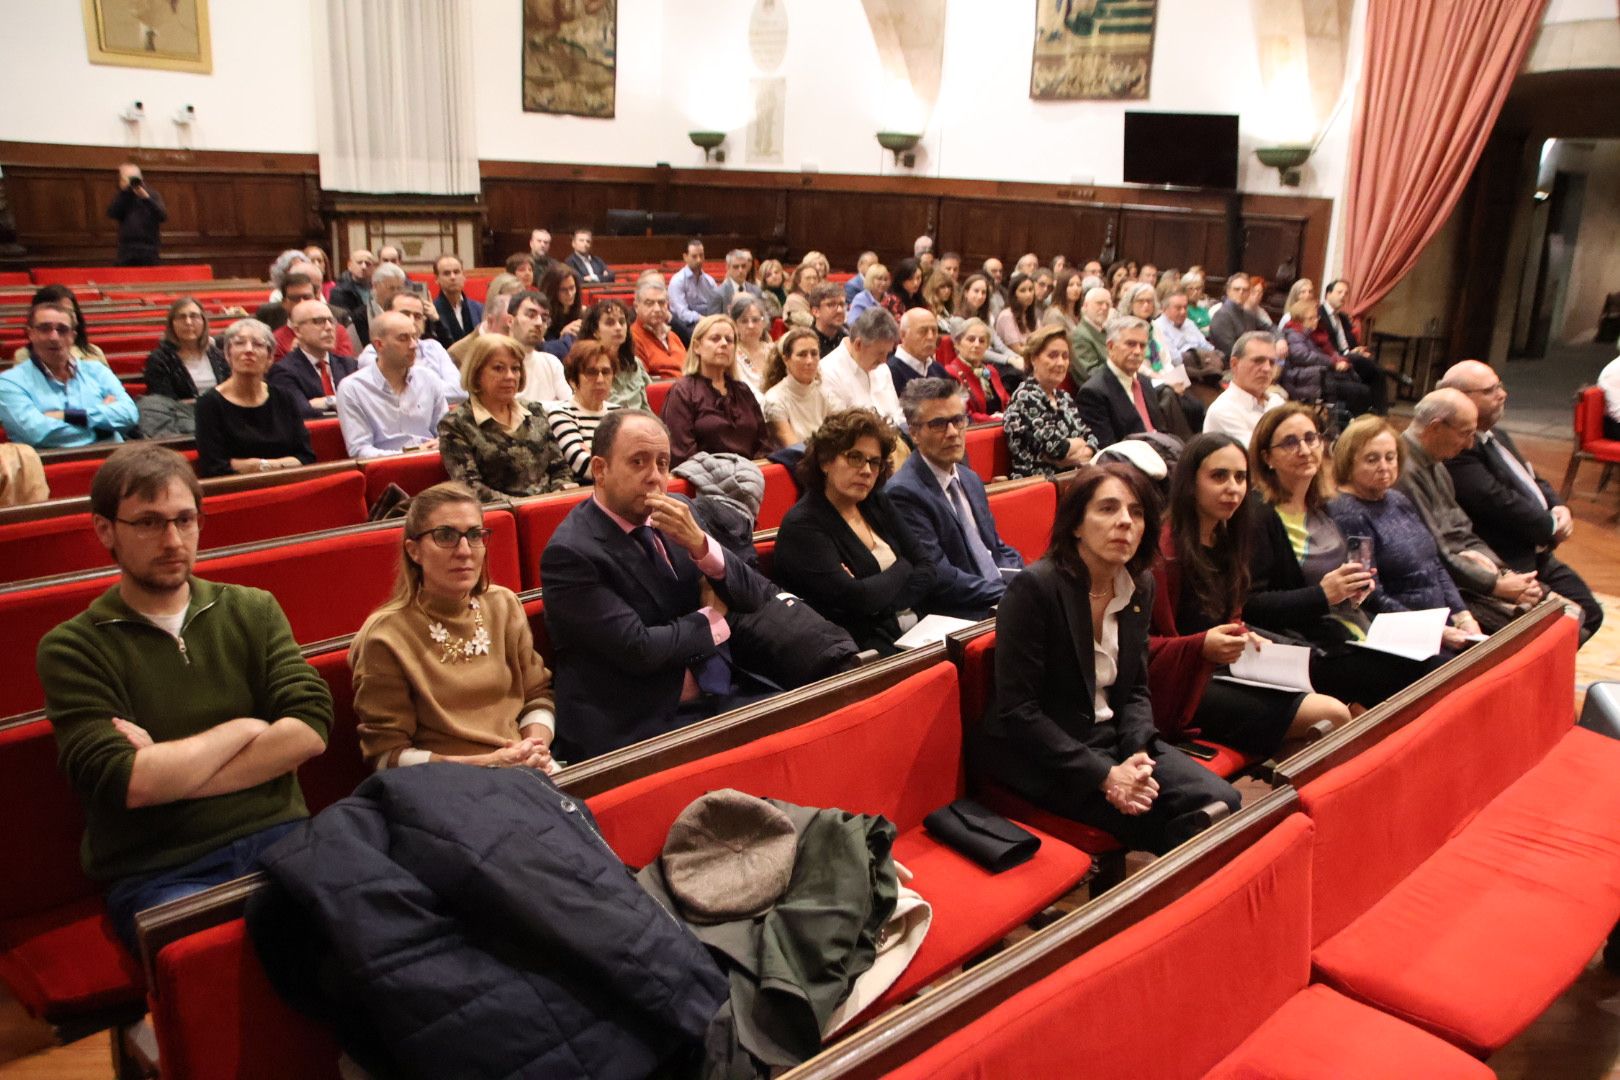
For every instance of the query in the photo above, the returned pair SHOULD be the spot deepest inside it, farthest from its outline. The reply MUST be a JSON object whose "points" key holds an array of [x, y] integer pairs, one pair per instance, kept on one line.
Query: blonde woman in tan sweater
{"points": [[446, 669]]}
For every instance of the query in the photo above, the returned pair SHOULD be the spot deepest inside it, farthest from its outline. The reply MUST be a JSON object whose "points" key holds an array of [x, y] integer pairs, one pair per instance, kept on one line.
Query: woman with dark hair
{"points": [[608, 322], [794, 404], [1067, 295], [1018, 319], [973, 301], [905, 292], [561, 287], [1072, 726], [445, 669], [589, 370], [186, 361], [1203, 580], [842, 546], [939, 294], [520, 264]]}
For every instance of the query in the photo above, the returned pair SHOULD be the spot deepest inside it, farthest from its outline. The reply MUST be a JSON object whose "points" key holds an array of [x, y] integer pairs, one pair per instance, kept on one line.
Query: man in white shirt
{"points": [[431, 357], [692, 292], [855, 375], [1188, 347], [388, 407], [919, 337], [1249, 397], [544, 380], [1609, 381]]}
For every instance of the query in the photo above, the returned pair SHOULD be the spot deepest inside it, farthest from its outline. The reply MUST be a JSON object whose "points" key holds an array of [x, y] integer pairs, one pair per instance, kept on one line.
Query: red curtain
{"points": [[1435, 76]]}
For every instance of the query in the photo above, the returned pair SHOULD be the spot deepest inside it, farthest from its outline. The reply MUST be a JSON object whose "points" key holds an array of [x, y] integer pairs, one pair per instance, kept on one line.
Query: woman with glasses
{"points": [[1304, 581], [589, 368], [445, 669], [1043, 425], [843, 547], [185, 363], [244, 424], [491, 442]]}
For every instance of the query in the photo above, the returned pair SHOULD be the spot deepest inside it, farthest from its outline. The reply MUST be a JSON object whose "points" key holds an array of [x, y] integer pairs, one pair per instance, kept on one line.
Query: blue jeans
{"points": [[130, 896]]}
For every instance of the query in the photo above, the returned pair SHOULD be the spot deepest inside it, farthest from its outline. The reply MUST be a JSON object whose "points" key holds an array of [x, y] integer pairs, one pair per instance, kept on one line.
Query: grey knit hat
{"points": [[728, 856]]}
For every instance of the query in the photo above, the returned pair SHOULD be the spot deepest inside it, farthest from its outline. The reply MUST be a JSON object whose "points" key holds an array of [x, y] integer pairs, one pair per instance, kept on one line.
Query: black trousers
{"points": [[1563, 580], [1375, 379], [1611, 426], [1185, 787]]}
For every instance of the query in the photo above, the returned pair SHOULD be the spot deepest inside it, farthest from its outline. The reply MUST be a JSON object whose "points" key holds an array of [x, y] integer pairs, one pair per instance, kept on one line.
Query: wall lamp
{"points": [[709, 142], [1287, 160], [901, 144]]}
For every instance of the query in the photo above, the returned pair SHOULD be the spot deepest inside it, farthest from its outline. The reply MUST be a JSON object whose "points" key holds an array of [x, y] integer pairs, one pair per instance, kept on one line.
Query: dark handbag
{"points": [[982, 835]]}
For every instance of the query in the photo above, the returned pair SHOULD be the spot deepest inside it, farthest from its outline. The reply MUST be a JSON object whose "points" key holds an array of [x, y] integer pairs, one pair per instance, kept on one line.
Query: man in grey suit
{"points": [[636, 597]]}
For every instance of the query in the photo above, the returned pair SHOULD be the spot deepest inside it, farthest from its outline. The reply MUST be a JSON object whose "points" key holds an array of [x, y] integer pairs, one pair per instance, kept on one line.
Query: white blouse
{"points": [[1105, 648]]}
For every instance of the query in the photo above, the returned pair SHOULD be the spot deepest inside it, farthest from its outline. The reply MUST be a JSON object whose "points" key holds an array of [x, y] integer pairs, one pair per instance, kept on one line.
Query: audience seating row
{"points": [[1420, 887]]}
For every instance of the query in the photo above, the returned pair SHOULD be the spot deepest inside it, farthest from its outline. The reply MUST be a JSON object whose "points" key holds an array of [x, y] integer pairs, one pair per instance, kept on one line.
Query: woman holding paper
{"points": [[1072, 726], [1410, 574], [1301, 578], [1203, 580]]}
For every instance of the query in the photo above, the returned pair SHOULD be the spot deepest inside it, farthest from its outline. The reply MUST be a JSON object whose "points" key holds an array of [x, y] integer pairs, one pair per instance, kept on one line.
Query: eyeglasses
{"points": [[860, 462], [940, 424], [1310, 441], [320, 320], [448, 537], [50, 328], [152, 526]]}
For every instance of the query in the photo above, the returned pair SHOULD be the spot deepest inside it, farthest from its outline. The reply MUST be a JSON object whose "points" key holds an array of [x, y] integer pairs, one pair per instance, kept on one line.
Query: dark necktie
{"points": [[712, 673]]}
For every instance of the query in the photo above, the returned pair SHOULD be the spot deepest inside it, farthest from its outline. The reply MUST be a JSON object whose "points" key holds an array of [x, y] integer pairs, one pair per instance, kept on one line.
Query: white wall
{"points": [[261, 95]]}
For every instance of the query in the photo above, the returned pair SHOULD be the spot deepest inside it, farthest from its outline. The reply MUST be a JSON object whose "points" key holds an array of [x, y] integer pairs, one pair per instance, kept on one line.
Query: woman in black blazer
{"points": [[1072, 726], [842, 546]]}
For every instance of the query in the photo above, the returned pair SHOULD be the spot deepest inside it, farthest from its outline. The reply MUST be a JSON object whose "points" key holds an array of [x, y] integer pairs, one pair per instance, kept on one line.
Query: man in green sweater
{"points": [[182, 708]]}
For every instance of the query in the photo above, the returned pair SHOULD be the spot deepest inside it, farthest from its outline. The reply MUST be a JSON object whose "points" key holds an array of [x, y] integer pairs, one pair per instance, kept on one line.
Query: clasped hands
{"points": [[1130, 787], [530, 753]]}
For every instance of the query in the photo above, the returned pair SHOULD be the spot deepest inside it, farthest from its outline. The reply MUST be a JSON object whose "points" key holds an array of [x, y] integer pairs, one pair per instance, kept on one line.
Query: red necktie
{"points": [[1141, 404], [326, 377]]}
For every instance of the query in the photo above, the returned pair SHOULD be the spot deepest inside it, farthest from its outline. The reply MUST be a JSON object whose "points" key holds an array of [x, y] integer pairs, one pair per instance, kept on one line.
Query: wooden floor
{"points": [[1578, 1038]]}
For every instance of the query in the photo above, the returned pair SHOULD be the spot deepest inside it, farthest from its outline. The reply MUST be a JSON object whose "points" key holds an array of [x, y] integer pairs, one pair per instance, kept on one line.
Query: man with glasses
{"points": [[944, 505], [1249, 396], [182, 708], [313, 369], [1118, 400], [1513, 510], [53, 400], [636, 600], [543, 377], [297, 288], [828, 308]]}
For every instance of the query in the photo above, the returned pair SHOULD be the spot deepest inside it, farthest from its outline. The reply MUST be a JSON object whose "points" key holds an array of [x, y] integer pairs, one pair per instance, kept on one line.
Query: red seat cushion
{"points": [[67, 961], [1481, 938], [334, 774], [780, 495], [218, 1018], [1024, 516], [413, 472], [987, 451], [1010, 805], [657, 391], [326, 439], [1321, 1035]]}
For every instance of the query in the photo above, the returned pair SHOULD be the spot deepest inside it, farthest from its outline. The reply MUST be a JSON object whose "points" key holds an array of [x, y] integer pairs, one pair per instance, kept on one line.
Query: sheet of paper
{"points": [[1412, 634], [1285, 667], [931, 628]]}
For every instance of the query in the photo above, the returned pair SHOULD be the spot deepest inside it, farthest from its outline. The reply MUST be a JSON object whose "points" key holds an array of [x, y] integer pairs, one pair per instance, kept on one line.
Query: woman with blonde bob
{"points": [[445, 669], [491, 442], [710, 409]]}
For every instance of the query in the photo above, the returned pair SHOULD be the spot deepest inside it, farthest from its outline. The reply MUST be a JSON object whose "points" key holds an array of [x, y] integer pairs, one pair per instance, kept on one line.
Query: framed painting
{"points": [[167, 34], [570, 56], [1094, 50]]}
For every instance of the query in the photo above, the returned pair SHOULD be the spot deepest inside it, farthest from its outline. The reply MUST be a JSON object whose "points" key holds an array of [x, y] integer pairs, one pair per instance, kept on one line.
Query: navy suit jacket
{"points": [[1109, 411], [296, 372], [625, 633], [939, 532], [585, 264], [458, 322]]}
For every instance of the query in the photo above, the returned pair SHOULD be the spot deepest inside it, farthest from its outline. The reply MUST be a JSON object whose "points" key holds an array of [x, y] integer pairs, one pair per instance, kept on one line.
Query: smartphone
{"points": [[417, 287], [1201, 751], [1360, 550]]}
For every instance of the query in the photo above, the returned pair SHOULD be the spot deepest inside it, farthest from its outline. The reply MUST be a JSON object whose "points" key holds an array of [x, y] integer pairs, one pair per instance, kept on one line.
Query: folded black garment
{"points": [[982, 835]]}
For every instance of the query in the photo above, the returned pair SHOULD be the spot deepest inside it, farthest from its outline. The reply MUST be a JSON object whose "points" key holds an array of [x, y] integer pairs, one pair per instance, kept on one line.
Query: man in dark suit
{"points": [[1233, 318], [914, 356], [944, 506], [1336, 320], [1514, 511], [590, 268], [636, 600], [1118, 400], [312, 369], [458, 313]]}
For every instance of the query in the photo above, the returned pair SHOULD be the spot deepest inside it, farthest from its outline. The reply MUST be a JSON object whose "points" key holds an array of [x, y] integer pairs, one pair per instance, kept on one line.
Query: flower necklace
{"points": [[460, 650]]}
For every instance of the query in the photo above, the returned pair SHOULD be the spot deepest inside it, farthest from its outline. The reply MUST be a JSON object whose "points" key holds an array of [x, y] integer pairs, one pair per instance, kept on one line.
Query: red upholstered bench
{"points": [[326, 439], [1468, 866], [898, 754], [327, 585], [1024, 511], [987, 451], [1214, 984], [415, 473], [66, 544], [58, 954], [781, 492], [69, 479], [106, 275], [657, 391]]}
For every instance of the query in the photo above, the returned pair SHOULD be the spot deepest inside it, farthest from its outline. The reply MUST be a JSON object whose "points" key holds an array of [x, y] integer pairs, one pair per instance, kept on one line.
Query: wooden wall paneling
{"points": [[1170, 236], [1273, 248], [842, 225], [979, 229]]}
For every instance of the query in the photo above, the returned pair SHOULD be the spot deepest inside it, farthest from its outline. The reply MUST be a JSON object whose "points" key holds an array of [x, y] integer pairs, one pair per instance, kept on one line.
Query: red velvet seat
{"points": [[1590, 443], [63, 545], [415, 473], [897, 754], [326, 439], [104, 275], [1468, 865], [1216, 980], [70, 479], [58, 955], [657, 391], [1024, 516], [537, 520], [781, 492], [987, 451]]}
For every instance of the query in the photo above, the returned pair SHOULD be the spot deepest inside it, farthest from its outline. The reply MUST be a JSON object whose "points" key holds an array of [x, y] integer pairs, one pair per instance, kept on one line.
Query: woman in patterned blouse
{"points": [[1044, 429], [491, 442]]}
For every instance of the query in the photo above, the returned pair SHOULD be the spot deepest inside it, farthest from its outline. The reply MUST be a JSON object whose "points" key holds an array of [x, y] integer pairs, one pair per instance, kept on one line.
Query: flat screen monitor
{"points": [[1183, 149]]}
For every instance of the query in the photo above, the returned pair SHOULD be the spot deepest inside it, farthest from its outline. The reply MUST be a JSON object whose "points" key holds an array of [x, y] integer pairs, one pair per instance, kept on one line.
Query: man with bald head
{"points": [[914, 357], [390, 408], [352, 290], [1442, 427], [1513, 510], [1088, 340], [313, 368]]}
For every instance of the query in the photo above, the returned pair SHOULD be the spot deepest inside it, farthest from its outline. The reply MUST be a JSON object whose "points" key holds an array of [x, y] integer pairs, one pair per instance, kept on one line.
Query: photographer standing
{"points": [[139, 212]]}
